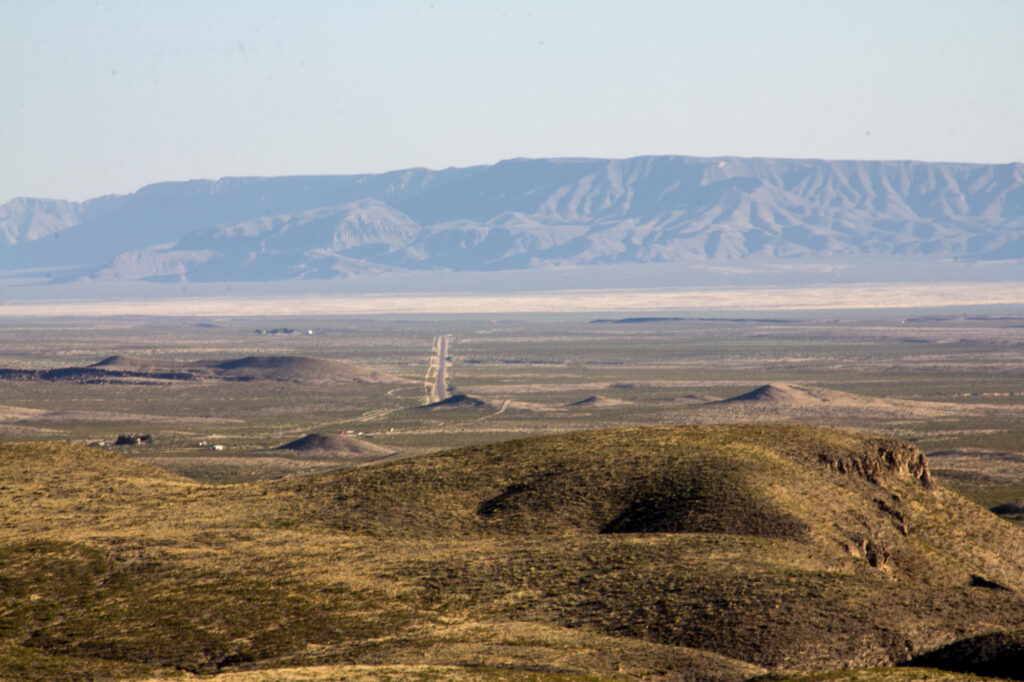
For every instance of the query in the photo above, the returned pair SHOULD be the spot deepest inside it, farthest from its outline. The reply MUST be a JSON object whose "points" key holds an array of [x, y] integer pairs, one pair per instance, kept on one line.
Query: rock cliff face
{"points": [[882, 458], [525, 213]]}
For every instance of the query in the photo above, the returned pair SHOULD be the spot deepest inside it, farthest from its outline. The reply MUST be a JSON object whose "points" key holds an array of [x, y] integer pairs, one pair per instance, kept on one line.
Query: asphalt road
{"points": [[440, 389]]}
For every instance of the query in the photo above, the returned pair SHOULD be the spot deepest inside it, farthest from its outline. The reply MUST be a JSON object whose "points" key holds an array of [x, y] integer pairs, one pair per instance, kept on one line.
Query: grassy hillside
{"points": [[703, 553]]}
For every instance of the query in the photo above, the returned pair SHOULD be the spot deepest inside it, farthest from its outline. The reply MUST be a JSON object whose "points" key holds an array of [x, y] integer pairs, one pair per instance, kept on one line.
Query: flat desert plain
{"points": [[838, 296]]}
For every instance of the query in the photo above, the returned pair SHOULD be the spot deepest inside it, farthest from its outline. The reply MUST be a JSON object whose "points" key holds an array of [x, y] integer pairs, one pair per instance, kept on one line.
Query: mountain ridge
{"points": [[526, 213]]}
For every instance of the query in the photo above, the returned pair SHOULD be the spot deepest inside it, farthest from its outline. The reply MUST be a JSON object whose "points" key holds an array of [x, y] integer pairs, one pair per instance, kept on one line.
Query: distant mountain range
{"points": [[521, 214]]}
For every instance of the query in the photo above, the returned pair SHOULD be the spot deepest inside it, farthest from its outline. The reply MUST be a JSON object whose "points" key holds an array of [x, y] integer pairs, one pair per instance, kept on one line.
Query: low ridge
{"points": [[117, 362], [124, 369], [296, 368], [785, 399]]}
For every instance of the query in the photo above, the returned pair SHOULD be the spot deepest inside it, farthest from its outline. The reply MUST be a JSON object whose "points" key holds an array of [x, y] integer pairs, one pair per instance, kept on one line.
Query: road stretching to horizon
{"points": [[442, 365], [441, 362]]}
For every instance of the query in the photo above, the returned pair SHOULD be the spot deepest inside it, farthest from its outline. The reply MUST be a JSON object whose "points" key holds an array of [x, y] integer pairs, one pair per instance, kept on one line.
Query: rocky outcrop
{"points": [[881, 458]]}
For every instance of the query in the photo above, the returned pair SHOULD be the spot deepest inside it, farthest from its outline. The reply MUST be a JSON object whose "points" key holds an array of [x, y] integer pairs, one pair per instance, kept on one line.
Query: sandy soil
{"points": [[10, 413], [736, 298]]}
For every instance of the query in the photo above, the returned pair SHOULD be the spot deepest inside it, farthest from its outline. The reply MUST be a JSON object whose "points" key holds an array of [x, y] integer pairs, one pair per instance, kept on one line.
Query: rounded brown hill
{"points": [[746, 540], [297, 368], [122, 363], [781, 399], [789, 395], [340, 446], [755, 480]]}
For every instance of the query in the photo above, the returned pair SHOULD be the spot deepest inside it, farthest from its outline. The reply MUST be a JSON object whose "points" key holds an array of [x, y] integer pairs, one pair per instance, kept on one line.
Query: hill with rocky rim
{"points": [[684, 552]]}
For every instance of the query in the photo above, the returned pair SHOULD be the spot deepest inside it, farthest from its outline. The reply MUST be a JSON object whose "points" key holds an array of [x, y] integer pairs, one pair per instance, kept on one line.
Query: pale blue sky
{"points": [[104, 97]]}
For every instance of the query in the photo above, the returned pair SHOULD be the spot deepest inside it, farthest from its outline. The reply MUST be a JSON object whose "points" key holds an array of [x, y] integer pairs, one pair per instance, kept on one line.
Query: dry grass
{"points": [[879, 675], [726, 551]]}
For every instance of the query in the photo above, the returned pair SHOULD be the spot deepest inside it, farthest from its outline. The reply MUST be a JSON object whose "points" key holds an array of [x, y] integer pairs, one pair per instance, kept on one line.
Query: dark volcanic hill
{"points": [[460, 401], [295, 368], [525, 213], [122, 369]]}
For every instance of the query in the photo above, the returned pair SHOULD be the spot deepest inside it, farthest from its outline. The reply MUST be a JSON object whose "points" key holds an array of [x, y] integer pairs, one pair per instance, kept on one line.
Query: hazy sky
{"points": [[104, 97]]}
